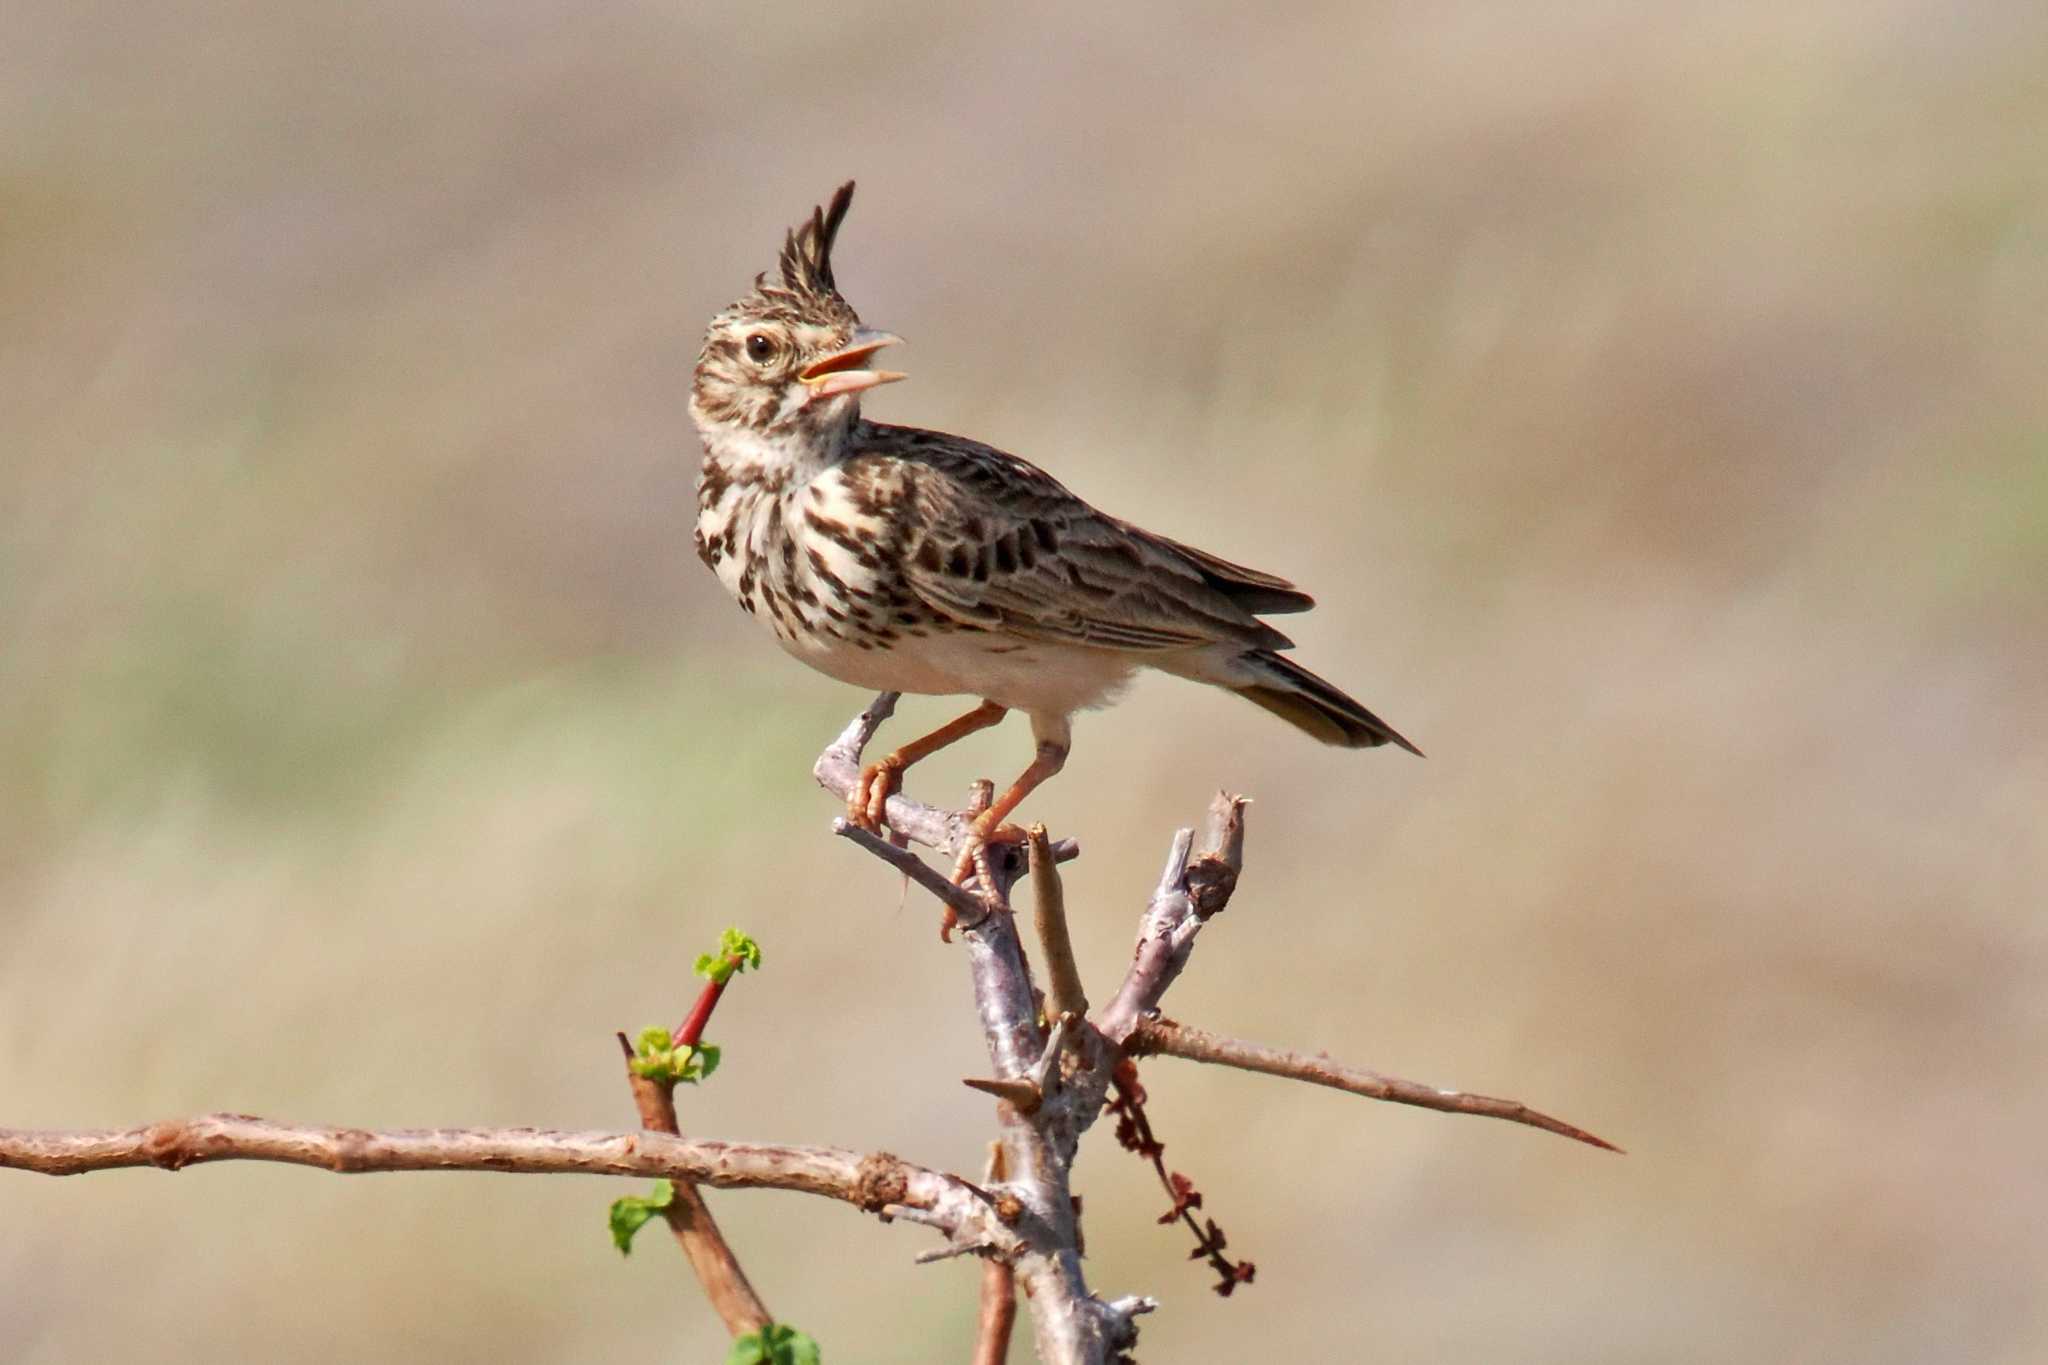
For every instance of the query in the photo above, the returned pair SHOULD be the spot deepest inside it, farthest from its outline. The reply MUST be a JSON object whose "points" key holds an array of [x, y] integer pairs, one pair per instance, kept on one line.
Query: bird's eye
{"points": [[760, 348]]}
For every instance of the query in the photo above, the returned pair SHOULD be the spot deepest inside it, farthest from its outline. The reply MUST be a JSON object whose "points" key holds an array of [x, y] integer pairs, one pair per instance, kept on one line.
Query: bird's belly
{"points": [[1041, 678], [852, 620]]}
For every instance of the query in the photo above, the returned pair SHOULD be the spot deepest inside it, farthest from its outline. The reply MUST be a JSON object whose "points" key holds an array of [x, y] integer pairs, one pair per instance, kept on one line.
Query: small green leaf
{"points": [[630, 1214], [735, 944], [736, 952], [776, 1344], [659, 1058]]}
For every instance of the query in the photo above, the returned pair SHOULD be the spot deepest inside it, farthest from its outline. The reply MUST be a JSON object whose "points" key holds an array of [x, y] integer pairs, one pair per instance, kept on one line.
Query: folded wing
{"points": [[1002, 546]]}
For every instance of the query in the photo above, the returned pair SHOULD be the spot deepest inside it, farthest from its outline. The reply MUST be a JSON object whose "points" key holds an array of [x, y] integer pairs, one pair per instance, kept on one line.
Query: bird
{"points": [[905, 560]]}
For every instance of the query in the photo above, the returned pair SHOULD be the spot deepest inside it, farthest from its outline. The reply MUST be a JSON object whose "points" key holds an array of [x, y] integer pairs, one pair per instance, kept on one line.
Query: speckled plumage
{"points": [[907, 560]]}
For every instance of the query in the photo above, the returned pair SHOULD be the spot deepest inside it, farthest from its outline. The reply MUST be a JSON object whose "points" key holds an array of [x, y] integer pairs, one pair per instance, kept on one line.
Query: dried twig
{"points": [[1064, 994], [1191, 892], [869, 1181], [964, 903], [1134, 1132], [998, 1286], [1172, 1039]]}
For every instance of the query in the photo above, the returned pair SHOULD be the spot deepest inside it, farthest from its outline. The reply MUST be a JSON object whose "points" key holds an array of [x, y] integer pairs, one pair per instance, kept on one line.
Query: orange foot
{"points": [[868, 803], [972, 864]]}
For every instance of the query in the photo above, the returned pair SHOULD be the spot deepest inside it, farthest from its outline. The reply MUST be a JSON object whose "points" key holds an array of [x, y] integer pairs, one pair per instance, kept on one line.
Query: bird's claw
{"points": [[971, 866], [867, 805]]}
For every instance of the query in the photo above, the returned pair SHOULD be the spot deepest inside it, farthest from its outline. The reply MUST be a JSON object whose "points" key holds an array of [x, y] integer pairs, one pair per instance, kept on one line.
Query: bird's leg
{"points": [[867, 803], [988, 827]]}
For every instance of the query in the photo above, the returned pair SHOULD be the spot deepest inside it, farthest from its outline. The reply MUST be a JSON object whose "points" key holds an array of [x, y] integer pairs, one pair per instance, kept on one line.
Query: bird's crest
{"points": [[807, 252]]}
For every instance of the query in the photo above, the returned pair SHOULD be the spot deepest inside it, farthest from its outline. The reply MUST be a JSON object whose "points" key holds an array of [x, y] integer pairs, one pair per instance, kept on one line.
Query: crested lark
{"points": [[905, 560]]}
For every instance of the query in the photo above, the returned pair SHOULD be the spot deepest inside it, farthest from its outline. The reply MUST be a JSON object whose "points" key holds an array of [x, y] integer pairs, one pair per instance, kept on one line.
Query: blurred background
{"points": [[1652, 394]]}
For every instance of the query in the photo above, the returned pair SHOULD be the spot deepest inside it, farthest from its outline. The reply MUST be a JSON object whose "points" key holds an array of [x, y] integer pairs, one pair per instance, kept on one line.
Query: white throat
{"points": [[800, 450]]}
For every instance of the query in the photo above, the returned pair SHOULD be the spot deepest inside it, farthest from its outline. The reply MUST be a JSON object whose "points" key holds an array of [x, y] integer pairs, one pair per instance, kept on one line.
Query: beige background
{"points": [[1653, 394]]}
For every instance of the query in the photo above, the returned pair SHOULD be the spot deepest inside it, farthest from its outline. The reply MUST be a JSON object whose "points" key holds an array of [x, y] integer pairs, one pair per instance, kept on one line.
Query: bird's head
{"points": [[789, 362]]}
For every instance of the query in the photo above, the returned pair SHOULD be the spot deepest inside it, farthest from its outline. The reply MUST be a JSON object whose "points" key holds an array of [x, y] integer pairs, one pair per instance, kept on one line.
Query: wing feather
{"points": [[999, 544]]}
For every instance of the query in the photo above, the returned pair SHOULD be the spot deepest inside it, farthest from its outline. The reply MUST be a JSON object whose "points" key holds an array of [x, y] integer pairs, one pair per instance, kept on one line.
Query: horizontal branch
{"points": [[1171, 1039], [868, 1182]]}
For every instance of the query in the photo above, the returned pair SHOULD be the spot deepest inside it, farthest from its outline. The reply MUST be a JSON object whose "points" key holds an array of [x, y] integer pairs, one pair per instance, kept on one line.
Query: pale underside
{"points": [[1048, 681]]}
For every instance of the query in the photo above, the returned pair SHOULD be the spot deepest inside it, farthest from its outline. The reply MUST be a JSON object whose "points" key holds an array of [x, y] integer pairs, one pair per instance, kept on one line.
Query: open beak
{"points": [[846, 371]]}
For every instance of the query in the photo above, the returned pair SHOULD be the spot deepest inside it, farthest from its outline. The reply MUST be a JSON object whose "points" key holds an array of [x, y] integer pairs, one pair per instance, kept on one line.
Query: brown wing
{"points": [[1255, 591], [997, 543]]}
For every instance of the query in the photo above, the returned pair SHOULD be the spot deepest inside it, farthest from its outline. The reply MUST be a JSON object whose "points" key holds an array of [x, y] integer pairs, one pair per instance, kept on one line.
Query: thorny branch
{"points": [[1048, 1100], [1039, 1140], [1051, 1083], [1169, 1038], [871, 1182]]}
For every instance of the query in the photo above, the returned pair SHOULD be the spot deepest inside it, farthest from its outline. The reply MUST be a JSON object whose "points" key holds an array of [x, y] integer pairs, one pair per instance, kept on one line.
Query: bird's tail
{"points": [[1308, 703]]}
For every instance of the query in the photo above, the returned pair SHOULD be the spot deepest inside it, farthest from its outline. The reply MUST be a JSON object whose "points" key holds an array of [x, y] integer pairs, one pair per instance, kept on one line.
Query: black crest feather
{"points": [[807, 252]]}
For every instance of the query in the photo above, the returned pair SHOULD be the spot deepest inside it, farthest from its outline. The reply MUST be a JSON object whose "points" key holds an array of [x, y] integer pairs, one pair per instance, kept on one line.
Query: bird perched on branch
{"points": [[906, 560]]}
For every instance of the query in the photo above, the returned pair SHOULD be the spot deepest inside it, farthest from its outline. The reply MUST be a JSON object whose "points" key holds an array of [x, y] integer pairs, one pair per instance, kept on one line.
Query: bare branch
{"points": [[1054, 1081], [838, 769], [1171, 1039], [1189, 894], [1064, 994], [998, 1286], [1072, 1326], [868, 1182], [969, 907], [998, 1313], [1212, 875]]}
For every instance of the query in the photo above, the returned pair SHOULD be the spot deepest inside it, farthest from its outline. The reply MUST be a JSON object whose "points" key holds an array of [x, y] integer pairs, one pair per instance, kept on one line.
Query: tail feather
{"points": [[1309, 703]]}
